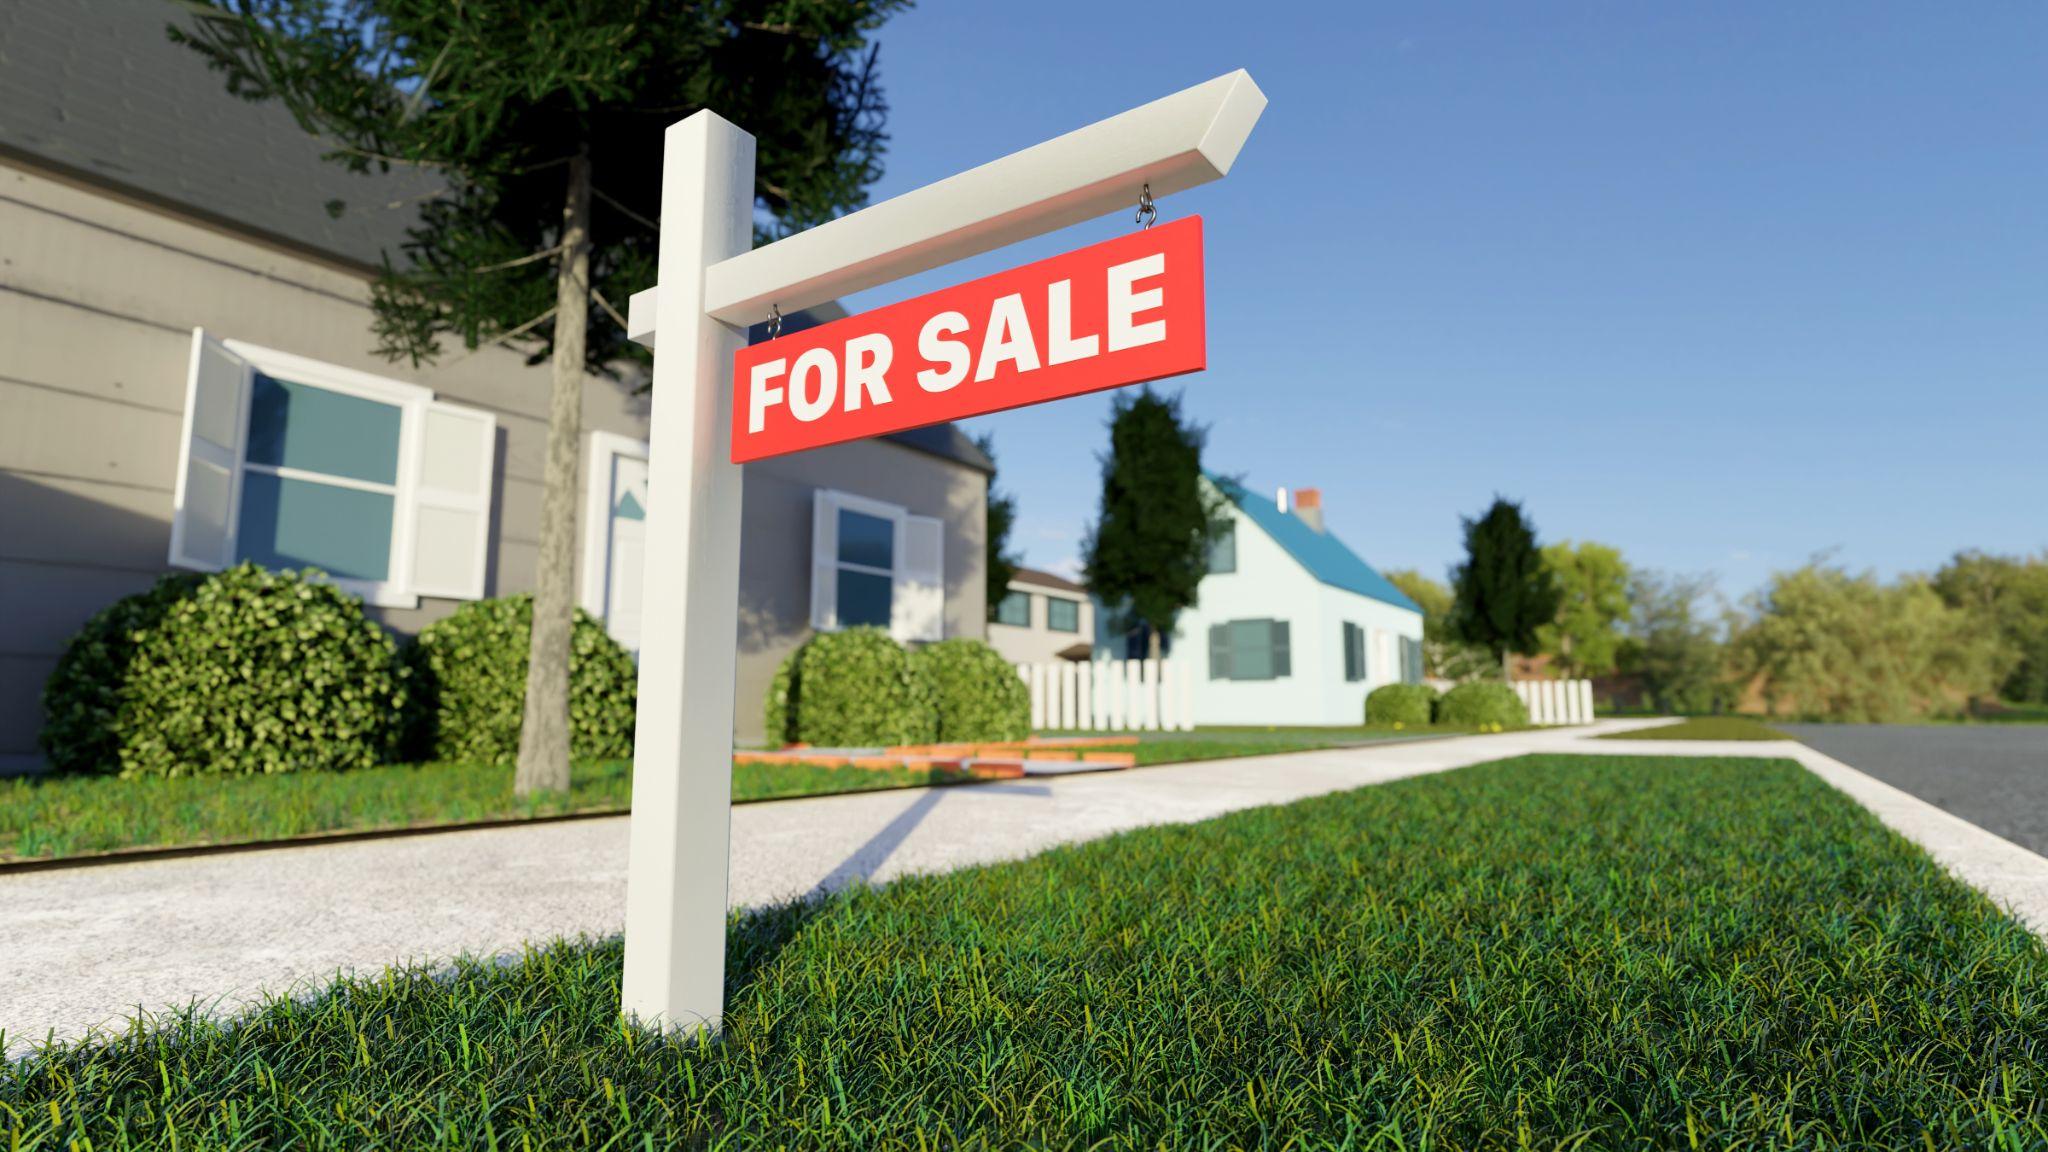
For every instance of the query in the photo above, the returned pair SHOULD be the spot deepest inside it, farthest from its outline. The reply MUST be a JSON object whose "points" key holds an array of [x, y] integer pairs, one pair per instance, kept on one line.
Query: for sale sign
{"points": [[1120, 312]]}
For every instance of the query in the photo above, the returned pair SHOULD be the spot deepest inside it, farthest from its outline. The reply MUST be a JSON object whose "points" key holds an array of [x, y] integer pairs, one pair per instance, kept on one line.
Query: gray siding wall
{"points": [[775, 556], [98, 298]]}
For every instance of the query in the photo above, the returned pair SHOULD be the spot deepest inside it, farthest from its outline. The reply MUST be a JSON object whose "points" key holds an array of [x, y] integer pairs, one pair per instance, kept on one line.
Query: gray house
{"points": [[187, 381]]}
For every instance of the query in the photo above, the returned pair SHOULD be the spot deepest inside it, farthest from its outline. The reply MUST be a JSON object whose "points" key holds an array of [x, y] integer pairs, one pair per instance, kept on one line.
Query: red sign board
{"points": [[1120, 312]]}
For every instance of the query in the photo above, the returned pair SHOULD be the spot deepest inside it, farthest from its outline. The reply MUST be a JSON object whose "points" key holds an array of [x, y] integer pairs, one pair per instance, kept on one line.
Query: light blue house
{"points": [[1291, 626]]}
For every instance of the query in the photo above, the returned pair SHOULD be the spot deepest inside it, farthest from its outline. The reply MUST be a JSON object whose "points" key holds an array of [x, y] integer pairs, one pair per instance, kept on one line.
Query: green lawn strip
{"points": [[1587, 952], [1704, 728], [48, 817]]}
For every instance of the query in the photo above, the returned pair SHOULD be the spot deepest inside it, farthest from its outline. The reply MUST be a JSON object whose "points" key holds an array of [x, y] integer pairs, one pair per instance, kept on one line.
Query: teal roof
{"points": [[1325, 556]]}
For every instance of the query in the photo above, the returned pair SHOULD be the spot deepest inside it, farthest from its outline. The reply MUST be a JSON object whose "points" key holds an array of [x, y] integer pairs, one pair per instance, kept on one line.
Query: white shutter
{"points": [[918, 609], [451, 501], [824, 560], [216, 432]]}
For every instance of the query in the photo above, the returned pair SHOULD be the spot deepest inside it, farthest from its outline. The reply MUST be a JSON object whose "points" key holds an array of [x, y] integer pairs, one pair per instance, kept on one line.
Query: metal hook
{"points": [[774, 321], [1146, 212]]}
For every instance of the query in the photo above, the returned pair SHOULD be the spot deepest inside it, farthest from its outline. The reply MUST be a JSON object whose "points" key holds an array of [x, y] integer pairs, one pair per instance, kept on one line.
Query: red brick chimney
{"points": [[1308, 505]]}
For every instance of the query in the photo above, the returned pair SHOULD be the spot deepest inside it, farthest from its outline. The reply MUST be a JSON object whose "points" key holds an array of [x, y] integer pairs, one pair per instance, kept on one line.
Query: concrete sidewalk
{"points": [[85, 947]]}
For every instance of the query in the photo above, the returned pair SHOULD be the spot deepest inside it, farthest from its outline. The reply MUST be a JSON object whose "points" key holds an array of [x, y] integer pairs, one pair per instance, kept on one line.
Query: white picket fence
{"points": [[1557, 701], [1111, 695]]}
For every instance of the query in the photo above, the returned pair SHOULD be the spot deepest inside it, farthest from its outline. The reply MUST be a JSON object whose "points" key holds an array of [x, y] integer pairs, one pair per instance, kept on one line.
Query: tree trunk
{"points": [[1152, 641], [544, 732], [1507, 666]]}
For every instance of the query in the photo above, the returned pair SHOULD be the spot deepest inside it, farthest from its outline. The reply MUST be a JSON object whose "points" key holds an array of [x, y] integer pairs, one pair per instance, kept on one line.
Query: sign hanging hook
{"points": [[774, 321], [1146, 212]]}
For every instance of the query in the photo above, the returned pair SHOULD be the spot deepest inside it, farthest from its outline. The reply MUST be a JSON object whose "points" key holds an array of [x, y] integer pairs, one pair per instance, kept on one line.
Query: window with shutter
{"points": [[1250, 650], [875, 564], [1354, 652], [293, 463]]}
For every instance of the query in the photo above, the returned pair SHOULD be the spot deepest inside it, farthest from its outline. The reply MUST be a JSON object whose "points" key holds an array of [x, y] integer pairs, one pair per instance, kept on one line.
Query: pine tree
{"points": [[543, 121], [1503, 591], [1149, 548]]}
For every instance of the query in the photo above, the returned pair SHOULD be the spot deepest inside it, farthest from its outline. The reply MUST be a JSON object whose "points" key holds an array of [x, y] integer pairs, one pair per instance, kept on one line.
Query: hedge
{"points": [[82, 697], [775, 713], [1406, 705], [856, 688], [1482, 704], [980, 697], [469, 686], [256, 671]]}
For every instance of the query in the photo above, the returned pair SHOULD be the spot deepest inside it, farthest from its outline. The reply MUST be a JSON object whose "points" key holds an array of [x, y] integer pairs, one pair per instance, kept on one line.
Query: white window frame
{"points": [[412, 401], [849, 502], [825, 615]]}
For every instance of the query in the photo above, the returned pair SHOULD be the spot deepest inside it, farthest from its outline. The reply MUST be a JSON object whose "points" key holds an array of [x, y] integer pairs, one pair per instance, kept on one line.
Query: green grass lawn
{"points": [[48, 817], [1704, 728], [1550, 952], [44, 817]]}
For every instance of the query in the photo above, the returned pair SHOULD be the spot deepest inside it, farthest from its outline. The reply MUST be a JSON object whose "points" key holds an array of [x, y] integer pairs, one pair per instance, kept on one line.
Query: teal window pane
{"points": [[869, 541], [1015, 609], [297, 426], [1251, 649], [1223, 551], [863, 599], [297, 524], [1062, 615]]}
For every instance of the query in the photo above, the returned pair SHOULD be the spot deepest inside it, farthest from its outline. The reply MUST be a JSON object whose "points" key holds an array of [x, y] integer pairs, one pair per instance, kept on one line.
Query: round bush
{"points": [[1405, 705], [1481, 704], [259, 672], [858, 688], [979, 694], [469, 683], [82, 697]]}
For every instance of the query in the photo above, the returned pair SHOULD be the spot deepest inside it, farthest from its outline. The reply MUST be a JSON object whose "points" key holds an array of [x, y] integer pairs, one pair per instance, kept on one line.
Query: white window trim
{"points": [[894, 514], [605, 449], [413, 402], [410, 400]]}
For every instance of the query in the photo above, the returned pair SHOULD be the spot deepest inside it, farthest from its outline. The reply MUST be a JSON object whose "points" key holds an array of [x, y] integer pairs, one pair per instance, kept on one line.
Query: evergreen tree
{"points": [[543, 121], [1503, 592], [1148, 550], [1002, 516]]}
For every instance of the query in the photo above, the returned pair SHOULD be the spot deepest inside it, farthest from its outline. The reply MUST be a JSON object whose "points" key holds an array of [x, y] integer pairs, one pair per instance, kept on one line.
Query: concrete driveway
{"points": [[1993, 775]]}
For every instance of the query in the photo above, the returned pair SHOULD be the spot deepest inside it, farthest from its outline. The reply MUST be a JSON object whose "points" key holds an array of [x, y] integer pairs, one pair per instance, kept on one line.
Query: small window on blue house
{"points": [[1223, 550], [1062, 615], [1014, 610], [1354, 652], [1250, 650]]}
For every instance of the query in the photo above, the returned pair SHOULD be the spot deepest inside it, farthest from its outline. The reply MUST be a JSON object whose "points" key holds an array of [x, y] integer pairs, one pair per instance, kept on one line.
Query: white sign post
{"points": [[711, 287]]}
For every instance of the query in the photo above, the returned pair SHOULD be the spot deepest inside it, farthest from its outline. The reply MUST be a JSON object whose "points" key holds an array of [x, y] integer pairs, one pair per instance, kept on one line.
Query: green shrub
{"points": [[1482, 704], [858, 688], [775, 715], [1401, 705], [469, 681], [979, 694], [259, 672], [82, 697]]}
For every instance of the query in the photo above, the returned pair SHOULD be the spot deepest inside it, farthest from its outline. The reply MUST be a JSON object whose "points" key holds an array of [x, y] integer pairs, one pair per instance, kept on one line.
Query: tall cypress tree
{"points": [[1503, 592], [1149, 548], [1002, 516], [544, 121]]}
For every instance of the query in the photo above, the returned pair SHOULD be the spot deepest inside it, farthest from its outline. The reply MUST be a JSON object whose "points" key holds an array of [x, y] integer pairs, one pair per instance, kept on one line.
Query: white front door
{"points": [[615, 534]]}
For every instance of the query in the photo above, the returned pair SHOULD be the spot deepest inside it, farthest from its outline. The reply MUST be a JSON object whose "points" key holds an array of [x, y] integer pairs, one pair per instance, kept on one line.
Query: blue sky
{"points": [[1723, 286]]}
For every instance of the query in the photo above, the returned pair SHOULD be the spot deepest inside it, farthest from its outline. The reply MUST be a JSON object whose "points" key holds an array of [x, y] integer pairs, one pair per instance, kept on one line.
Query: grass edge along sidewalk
{"points": [[52, 818], [1546, 951], [1703, 728]]}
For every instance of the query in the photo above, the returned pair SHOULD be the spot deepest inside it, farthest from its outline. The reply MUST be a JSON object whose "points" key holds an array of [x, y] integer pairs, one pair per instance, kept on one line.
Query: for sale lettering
{"points": [[1120, 312]]}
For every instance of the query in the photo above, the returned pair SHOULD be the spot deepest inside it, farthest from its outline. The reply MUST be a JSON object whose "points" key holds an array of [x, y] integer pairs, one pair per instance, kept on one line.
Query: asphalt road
{"points": [[1993, 775]]}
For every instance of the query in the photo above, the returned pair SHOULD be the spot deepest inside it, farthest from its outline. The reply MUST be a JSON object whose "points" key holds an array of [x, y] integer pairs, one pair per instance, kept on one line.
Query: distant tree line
{"points": [[1817, 640]]}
